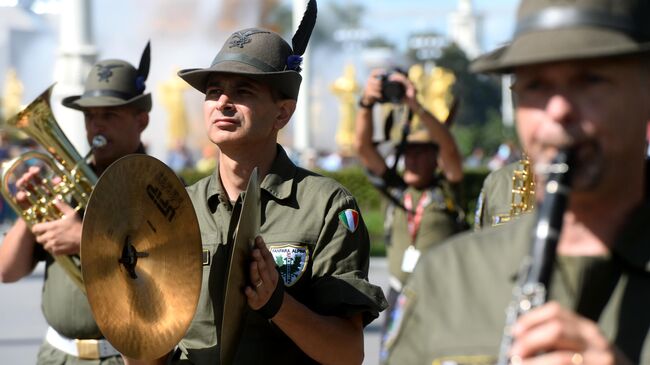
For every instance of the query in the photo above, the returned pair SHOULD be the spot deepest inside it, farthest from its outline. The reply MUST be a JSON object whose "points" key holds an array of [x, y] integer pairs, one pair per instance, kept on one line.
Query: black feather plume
{"points": [[303, 33], [145, 60]]}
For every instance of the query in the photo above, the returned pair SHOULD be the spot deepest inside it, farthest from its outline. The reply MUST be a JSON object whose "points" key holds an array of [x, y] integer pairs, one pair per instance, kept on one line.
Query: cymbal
{"points": [[234, 308], [141, 257]]}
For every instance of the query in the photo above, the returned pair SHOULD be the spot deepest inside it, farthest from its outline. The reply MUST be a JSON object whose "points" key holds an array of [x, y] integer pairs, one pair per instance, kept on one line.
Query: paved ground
{"points": [[22, 326]]}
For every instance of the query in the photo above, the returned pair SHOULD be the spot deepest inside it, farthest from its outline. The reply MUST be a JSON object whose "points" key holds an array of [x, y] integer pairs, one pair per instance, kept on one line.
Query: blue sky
{"points": [[416, 15], [396, 19]]}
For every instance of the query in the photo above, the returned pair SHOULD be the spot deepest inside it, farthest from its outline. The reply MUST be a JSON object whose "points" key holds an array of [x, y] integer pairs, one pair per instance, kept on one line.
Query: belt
{"points": [[83, 349]]}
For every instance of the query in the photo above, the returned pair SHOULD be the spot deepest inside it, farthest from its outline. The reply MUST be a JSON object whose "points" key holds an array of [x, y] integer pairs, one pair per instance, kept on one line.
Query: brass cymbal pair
{"points": [[141, 259]]}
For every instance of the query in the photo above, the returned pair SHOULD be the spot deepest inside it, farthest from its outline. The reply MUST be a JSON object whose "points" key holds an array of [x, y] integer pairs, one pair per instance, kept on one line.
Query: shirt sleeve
{"points": [[340, 264]]}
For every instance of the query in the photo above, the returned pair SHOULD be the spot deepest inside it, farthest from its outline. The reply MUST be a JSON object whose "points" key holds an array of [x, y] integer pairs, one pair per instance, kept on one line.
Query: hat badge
{"points": [[239, 39], [105, 71]]}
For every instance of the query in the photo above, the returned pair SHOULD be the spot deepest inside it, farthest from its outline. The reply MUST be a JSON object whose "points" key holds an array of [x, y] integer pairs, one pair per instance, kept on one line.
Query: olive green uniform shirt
{"points": [[437, 224], [300, 212], [495, 199], [453, 309], [66, 309]]}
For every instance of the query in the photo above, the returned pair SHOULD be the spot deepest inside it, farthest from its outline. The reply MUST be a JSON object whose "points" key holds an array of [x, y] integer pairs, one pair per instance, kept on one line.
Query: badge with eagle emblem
{"points": [[105, 71], [239, 39]]}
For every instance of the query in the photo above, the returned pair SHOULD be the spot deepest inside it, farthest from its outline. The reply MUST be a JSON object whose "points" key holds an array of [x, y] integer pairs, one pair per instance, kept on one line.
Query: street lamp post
{"points": [[76, 55]]}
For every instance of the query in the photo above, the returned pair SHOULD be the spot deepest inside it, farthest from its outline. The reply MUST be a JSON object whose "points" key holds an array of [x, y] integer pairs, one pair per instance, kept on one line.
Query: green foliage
{"points": [[347, 15], [190, 176], [478, 94], [333, 17], [472, 184], [354, 179], [487, 136], [374, 219], [372, 204], [466, 138]]}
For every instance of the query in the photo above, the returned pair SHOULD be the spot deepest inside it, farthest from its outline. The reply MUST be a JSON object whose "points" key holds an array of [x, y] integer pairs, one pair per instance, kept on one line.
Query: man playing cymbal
{"points": [[308, 294]]}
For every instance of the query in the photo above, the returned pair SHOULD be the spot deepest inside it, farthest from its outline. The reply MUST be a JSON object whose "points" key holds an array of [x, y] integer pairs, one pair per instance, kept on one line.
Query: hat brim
{"points": [[79, 102], [286, 82], [558, 45]]}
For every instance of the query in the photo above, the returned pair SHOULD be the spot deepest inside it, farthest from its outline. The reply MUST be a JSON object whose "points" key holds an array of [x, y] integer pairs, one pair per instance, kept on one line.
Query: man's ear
{"points": [[142, 119], [286, 107]]}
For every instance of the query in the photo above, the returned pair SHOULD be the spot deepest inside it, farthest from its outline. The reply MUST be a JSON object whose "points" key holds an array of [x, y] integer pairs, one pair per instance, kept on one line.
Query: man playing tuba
{"points": [[115, 107]]}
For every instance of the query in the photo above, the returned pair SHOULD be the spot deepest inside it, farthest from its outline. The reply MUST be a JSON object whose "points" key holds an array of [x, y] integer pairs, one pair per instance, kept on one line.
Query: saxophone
{"points": [[534, 277]]}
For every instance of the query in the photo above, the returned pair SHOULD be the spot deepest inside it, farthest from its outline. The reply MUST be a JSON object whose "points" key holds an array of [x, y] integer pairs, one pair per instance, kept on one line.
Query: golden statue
{"points": [[12, 94], [171, 93], [420, 80], [438, 96], [346, 89]]}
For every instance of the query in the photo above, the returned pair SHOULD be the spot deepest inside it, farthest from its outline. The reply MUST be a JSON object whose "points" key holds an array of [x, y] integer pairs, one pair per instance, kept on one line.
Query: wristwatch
{"points": [[364, 105]]}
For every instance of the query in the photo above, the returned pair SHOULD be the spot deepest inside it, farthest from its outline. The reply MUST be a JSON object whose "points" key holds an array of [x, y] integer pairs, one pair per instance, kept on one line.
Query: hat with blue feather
{"points": [[115, 83], [261, 55]]}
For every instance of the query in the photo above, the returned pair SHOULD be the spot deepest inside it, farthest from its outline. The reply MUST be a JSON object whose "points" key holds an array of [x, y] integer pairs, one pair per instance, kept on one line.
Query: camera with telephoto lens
{"points": [[392, 91]]}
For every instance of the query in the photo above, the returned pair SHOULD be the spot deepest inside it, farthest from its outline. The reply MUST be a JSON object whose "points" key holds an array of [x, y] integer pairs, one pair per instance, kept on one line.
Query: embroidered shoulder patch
{"points": [[291, 261], [350, 219]]}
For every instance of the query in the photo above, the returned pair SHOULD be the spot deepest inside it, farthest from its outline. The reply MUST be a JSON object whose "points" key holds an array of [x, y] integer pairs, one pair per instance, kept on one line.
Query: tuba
{"points": [[523, 189], [522, 197], [76, 177]]}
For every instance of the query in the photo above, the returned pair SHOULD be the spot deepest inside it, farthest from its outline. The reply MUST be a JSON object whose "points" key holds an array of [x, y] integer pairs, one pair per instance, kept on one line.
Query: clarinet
{"points": [[534, 276]]}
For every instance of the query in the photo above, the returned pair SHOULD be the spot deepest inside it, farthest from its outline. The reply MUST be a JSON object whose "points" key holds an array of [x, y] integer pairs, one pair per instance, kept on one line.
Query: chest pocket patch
{"points": [[291, 261]]}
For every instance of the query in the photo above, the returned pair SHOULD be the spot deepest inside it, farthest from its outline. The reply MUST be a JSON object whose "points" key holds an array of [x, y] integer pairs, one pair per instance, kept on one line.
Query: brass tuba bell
{"points": [[76, 179], [522, 198]]}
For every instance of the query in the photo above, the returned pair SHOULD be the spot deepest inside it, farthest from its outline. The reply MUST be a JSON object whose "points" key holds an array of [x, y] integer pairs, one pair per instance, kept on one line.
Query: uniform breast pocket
{"points": [[209, 245], [213, 258]]}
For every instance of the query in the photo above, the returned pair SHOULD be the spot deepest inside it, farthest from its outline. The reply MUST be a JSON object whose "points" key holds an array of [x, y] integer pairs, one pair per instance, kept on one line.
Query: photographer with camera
{"points": [[423, 212]]}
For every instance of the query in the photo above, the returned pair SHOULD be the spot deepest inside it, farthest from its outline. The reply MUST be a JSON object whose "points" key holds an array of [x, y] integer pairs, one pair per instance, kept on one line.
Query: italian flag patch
{"points": [[350, 219]]}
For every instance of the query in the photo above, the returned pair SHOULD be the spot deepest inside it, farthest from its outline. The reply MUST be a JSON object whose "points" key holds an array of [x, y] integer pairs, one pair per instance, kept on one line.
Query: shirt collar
{"points": [[278, 182], [139, 150], [215, 190]]}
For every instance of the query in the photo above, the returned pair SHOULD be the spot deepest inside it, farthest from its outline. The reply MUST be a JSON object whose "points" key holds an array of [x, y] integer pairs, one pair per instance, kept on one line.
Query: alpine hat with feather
{"points": [[115, 83], [561, 30], [261, 55]]}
